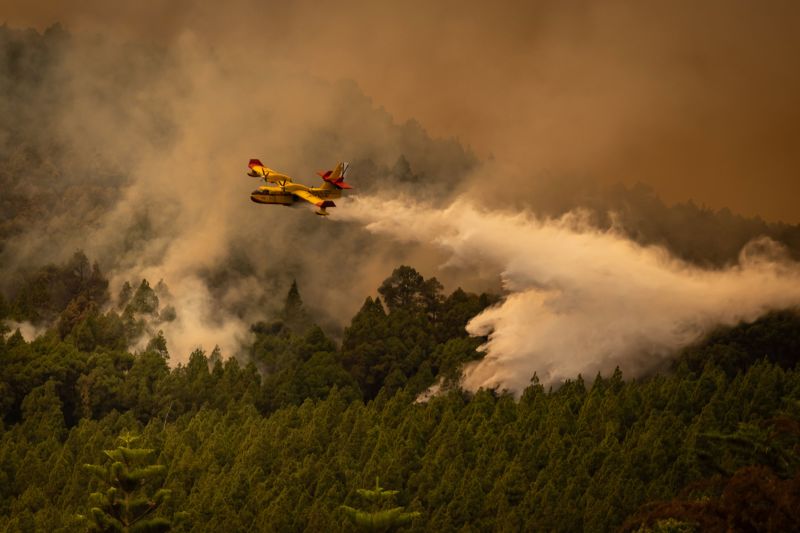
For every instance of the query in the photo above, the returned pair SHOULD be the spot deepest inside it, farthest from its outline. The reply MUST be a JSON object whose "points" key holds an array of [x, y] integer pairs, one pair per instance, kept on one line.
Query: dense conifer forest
{"points": [[283, 440]]}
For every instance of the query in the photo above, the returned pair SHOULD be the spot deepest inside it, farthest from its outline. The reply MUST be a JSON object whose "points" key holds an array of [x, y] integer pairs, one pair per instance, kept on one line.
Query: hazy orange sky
{"points": [[701, 100]]}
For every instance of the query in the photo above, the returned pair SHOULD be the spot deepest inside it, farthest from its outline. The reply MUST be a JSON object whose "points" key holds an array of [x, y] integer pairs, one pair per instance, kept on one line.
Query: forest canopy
{"points": [[285, 439]]}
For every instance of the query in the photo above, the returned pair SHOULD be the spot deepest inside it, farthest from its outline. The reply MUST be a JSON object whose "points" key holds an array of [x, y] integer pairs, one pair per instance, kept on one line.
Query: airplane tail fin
{"points": [[335, 178]]}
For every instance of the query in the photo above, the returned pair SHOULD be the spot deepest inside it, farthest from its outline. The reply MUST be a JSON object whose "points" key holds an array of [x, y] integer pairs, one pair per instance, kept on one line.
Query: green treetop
{"points": [[294, 314], [126, 505], [378, 519]]}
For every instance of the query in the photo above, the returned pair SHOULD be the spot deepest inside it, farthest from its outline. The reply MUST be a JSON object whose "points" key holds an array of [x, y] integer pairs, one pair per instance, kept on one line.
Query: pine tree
{"points": [[294, 314], [144, 300], [126, 506], [125, 294], [379, 519], [407, 289]]}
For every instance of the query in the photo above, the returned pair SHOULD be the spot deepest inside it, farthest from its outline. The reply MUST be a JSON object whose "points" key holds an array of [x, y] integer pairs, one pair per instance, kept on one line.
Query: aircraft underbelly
{"points": [[273, 198]]}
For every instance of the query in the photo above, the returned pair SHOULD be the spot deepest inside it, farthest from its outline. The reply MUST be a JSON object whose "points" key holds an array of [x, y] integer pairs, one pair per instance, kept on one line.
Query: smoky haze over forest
{"points": [[129, 139], [696, 99], [563, 294], [142, 165]]}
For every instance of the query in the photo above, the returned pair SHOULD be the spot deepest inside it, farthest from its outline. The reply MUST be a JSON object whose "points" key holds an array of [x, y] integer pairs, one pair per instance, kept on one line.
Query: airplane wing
{"points": [[258, 170], [314, 199]]}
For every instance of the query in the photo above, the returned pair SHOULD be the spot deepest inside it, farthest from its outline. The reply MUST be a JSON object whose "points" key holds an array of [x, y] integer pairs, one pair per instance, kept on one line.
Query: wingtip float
{"points": [[286, 192]]}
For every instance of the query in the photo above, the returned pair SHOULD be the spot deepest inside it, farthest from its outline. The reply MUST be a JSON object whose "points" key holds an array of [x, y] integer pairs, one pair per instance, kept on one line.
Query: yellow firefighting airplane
{"points": [[287, 193]]}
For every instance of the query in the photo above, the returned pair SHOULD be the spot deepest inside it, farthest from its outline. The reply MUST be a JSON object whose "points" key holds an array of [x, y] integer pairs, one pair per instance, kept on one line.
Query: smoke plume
{"points": [[697, 99], [142, 166], [127, 137], [581, 300]]}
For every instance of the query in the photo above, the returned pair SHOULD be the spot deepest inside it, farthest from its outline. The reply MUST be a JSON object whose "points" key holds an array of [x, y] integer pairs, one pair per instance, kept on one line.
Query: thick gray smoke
{"points": [[136, 154], [142, 166], [582, 300]]}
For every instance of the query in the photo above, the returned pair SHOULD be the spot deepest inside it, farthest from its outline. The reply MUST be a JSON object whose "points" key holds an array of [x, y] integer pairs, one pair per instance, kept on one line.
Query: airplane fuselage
{"points": [[282, 195]]}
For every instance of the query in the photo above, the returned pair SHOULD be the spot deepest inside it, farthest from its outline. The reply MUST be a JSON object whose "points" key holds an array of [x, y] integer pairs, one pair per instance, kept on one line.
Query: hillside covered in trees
{"points": [[282, 440]]}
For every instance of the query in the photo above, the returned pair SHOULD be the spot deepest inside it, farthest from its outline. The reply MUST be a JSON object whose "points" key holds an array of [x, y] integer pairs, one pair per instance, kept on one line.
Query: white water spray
{"points": [[582, 300]]}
